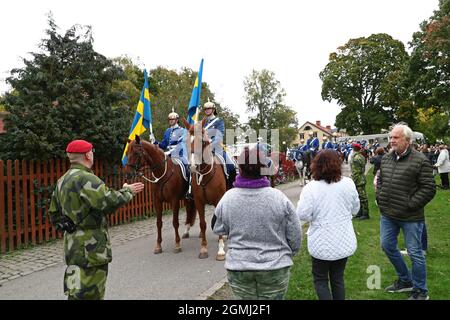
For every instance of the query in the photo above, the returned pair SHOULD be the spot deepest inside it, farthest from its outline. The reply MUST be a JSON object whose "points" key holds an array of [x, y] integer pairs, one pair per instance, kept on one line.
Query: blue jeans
{"points": [[412, 231]]}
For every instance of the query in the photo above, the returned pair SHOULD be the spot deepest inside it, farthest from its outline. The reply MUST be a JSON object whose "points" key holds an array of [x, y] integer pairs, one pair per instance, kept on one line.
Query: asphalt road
{"points": [[138, 274]]}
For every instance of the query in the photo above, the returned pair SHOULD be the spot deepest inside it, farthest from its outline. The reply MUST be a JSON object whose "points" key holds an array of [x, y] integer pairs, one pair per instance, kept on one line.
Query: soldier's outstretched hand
{"points": [[135, 187]]}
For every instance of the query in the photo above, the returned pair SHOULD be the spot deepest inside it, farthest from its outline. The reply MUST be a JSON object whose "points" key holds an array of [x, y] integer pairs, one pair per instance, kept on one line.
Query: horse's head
{"points": [[135, 154], [142, 154], [199, 144]]}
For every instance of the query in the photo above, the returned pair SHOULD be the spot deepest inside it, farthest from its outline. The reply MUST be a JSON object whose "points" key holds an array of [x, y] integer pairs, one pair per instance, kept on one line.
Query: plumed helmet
{"points": [[173, 115], [79, 146], [209, 105]]}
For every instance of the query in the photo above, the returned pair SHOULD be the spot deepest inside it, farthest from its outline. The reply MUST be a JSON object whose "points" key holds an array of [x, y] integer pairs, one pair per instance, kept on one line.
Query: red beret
{"points": [[79, 146], [356, 145]]}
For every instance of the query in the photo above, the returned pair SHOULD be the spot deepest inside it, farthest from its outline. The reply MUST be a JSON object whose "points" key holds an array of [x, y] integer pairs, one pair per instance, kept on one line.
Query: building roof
{"points": [[327, 131]]}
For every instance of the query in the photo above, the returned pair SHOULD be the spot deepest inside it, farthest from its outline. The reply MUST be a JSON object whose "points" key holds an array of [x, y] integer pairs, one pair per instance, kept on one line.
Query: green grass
{"points": [[437, 215]]}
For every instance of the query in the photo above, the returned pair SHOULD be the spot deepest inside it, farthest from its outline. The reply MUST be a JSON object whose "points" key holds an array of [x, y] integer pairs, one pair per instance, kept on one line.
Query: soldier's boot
{"points": [[364, 214], [189, 195], [359, 214]]}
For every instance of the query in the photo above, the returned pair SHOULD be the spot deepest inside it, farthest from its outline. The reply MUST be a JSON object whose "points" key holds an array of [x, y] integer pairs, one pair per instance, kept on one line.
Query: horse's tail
{"points": [[191, 212]]}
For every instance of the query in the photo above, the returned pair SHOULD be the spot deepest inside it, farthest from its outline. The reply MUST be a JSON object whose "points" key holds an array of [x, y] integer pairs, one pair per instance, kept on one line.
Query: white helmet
{"points": [[209, 105], [173, 116]]}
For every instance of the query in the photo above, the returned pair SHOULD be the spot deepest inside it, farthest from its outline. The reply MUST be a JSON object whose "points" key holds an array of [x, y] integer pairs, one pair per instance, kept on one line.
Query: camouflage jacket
{"points": [[358, 169], [86, 200]]}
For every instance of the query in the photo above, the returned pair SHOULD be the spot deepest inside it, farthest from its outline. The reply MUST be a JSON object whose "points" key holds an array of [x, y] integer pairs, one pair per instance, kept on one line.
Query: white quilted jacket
{"points": [[329, 209]]}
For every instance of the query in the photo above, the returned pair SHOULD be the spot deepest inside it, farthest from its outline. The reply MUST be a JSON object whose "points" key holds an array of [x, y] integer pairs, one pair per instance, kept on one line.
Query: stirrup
{"points": [[189, 196]]}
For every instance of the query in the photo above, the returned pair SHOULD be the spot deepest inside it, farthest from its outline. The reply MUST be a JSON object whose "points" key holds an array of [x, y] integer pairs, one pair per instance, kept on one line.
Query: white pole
{"points": [[196, 114]]}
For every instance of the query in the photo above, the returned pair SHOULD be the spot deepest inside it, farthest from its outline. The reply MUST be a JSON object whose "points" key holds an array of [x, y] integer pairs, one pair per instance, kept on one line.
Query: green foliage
{"points": [[364, 76], [265, 99], [429, 69], [173, 90], [130, 87], [65, 92], [2, 103]]}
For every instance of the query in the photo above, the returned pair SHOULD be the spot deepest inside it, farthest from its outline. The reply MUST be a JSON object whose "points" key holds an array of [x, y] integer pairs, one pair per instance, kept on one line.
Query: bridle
{"points": [[198, 172], [139, 169]]}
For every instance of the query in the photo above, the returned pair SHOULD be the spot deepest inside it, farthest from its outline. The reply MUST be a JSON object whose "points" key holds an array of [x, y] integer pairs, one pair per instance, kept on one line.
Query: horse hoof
{"points": [[157, 251], [185, 236], [203, 255], [220, 257], [177, 250]]}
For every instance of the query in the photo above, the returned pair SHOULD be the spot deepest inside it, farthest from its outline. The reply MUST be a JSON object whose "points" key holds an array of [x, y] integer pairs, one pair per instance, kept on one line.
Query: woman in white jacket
{"points": [[328, 203], [443, 166]]}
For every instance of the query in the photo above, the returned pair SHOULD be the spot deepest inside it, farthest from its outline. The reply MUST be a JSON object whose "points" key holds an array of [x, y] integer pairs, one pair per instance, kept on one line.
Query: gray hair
{"points": [[407, 132], [75, 157]]}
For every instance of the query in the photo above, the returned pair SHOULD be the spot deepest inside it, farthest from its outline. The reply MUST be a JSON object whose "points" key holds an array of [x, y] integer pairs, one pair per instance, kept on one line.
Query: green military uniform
{"points": [[86, 200], [359, 178]]}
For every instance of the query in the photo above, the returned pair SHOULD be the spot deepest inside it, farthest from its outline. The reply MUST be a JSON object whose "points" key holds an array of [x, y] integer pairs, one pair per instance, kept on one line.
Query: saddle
{"points": [[180, 163]]}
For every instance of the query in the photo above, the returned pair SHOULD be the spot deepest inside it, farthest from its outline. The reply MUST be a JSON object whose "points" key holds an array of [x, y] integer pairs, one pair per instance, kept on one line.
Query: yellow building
{"points": [[316, 130]]}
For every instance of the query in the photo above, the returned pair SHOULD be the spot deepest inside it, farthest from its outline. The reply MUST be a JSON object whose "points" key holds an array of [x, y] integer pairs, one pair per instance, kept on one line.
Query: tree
{"points": [[429, 71], [65, 92], [173, 90], [265, 99], [364, 76]]}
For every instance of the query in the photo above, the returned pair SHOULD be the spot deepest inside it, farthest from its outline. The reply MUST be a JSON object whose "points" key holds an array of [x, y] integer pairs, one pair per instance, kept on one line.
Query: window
{"points": [[302, 136], [315, 134]]}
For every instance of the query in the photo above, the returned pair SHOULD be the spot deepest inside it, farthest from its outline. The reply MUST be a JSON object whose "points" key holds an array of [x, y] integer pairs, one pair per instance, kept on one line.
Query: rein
{"points": [[155, 167]]}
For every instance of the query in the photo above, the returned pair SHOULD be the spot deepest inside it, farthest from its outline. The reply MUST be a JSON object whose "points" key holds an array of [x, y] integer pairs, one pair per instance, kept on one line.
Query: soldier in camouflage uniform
{"points": [[79, 207], [358, 165]]}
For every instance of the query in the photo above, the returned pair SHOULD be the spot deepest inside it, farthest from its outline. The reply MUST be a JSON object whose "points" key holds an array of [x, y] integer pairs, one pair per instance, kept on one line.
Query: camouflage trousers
{"points": [[85, 283], [259, 285], [363, 200]]}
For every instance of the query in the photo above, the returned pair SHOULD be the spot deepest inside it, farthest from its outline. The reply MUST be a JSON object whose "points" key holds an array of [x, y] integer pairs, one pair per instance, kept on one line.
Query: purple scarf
{"points": [[249, 183]]}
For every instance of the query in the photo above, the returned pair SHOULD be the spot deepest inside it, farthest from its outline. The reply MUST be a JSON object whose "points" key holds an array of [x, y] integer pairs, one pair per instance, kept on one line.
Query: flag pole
{"points": [[152, 137], [196, 114]]}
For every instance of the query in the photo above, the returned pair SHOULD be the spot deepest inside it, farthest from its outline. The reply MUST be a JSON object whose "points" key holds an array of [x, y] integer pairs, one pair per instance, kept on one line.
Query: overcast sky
{"points": [[291, 38]]}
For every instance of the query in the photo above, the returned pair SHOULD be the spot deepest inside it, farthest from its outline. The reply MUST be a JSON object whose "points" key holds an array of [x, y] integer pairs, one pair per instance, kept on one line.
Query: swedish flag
{"points": [[143, 117], [195, 97]]}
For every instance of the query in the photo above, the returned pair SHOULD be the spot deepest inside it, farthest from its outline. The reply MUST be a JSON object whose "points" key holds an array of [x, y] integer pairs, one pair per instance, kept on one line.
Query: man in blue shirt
{"points": [[174, 142], [215, 128]]}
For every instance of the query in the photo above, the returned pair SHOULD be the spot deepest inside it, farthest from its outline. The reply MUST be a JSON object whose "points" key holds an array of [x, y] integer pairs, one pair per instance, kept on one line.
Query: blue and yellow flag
{"points": [[142, 118], [195, 97]]}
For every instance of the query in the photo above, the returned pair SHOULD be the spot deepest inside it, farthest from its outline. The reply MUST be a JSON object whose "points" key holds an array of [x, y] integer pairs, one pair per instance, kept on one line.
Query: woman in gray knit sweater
{"points": [[263, 232]]}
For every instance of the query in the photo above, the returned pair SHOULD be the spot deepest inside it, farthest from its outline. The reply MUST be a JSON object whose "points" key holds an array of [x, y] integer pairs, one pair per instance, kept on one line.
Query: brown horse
{"points": [[208, 180], [169, 184]]}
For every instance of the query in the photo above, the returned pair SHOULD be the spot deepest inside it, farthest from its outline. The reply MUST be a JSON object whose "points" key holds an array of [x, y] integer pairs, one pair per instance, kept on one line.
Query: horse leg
{"points": [[221, 253], [190, 217], [158, 207], [176, 224], [204, 244]]}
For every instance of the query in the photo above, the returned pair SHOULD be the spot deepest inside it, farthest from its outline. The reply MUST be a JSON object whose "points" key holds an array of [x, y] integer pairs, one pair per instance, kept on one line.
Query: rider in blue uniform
{"points": [[215, 128], [174, 142]]}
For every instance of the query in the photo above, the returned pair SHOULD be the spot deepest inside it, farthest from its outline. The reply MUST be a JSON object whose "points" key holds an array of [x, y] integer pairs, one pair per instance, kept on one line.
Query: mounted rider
{"points": [[215, 128], [174, 142]]}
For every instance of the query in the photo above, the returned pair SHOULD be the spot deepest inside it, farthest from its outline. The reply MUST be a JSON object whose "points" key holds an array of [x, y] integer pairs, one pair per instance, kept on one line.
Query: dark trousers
{"points": [[444, 180], [329, 272], [424, 238]]}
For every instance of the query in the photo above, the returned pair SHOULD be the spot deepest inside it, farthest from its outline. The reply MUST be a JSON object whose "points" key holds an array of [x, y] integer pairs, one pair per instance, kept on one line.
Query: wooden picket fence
{"points": [[25, 192]]}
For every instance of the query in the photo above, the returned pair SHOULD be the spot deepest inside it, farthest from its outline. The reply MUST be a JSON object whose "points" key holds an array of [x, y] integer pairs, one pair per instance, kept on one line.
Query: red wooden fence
{"points": [[25, 191]]}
